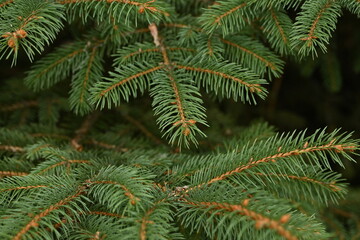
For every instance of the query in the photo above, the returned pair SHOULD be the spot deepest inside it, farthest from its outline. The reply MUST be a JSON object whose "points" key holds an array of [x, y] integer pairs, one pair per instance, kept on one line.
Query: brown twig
{"points": [[185, 123], [83, 130], [142, 128]]}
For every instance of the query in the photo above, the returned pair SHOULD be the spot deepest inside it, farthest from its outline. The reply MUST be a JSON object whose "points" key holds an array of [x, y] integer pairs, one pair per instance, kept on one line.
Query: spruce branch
{"points": [[83, 79], [260, 220], [56, 66], [58, 162], [331, 146], [147, 230], [13, 165], [229, 16], [238, 82], [352, 5], [331, 185], [30, 25], [180, 122], [145, 52], [267, 4], [253, 55], [243, 213], [277, 27], [314, 25], [4, 3], [150, 10], [127, 80], [142, 6], [34, 221], [145, 208]]}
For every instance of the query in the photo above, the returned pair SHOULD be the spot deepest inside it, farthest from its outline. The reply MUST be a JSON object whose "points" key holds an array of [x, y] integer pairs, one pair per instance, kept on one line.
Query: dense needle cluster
{"points": [[71, 160]]}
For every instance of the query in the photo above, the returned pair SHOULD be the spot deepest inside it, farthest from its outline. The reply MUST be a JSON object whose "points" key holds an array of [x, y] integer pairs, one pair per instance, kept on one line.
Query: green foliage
{"points": [[179, 111], [254, 55], [352, 5], [64, 61], [226, 79], [29, 25], [248, 33], [71, 171], [314, 25], [228, 16], [277, 27], [259, 189]]}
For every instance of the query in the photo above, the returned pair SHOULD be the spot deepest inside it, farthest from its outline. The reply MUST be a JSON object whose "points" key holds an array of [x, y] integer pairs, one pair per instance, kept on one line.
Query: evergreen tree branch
{"points": [[84, 78], [130, 78], [183, 121], [142, 53], [254, 55], [119, 188], [34, 222], [144, 220], [14, 189], [66, 162], [229, 12], [16, 164], [277, 27], [261, 221], [352, 5], [5, 3], [150, 11], [265, 4], [30, 25], [245, 214], [127, 192], [23, 188], [256, 184], [155, 221], [314, 25], [252, 87], [228, 15], [12, 173], [329, 147], [142, 6], [56, 66], [125, 82], [57, 161], [215, 76], [35, 151], [316, 21], [331, 185]]}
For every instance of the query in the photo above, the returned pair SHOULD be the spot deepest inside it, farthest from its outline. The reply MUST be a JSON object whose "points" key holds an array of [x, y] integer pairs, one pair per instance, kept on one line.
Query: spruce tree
{"points": [[77, 163]]}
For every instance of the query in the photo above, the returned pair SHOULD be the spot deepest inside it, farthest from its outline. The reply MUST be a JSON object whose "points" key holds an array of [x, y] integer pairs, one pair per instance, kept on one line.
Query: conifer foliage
{"points": [[67, 175]]}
